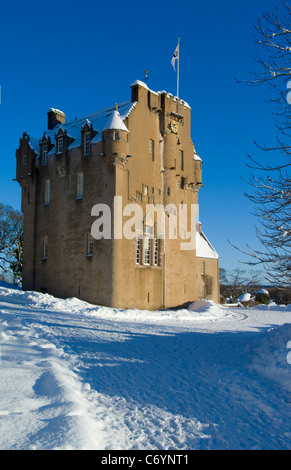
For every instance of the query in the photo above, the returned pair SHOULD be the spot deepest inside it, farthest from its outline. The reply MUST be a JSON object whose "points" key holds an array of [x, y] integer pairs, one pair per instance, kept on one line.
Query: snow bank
{"points": [[244, 297], [270, 357], [263, 291], [199, 309], [42, 402]]}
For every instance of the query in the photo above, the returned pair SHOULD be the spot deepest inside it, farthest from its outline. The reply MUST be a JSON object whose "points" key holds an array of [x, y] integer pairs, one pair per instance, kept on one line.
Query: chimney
{"points": [[139, 91], [55, 117]]}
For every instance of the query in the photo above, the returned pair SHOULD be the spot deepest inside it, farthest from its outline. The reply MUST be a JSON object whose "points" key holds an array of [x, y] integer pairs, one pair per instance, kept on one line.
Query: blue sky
{"points": [[82, 56]]}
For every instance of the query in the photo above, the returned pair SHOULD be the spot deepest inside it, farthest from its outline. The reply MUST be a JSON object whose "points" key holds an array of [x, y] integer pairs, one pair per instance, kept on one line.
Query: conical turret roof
{"points": [[115, 122]]}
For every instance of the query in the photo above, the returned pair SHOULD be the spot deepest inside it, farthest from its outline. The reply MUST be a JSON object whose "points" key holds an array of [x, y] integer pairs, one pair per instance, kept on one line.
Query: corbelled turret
{"points": [[115, 138]]}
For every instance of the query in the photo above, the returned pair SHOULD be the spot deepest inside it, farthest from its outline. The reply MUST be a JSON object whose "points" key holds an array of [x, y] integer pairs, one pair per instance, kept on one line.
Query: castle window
{"points": [[202, 267], [116, 135], [156, 251], [24, 160], [181, 160], [60, 145], [47, 192], [86, 143], [45, 247], [138, 249], [151, 150], [147, 251], [80, 185], [89, 249], [45, 155]]}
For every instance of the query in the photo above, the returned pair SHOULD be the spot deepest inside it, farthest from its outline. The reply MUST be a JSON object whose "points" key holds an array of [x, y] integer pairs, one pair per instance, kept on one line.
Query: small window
{"points": [[116, 135], [47, 192], [24, 159], [89, 244], [138, 249], [148, 230], [202, 267], [45, 247], [147, 251], [152, 150], [181, 160], [86, 143], [60, 145], [80, 185], [168, 190], [44, 155], [156, 251]]}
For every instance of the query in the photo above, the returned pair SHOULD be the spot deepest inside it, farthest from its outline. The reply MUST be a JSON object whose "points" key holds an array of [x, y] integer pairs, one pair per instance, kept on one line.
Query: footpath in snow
{"points": [[78, 376]]}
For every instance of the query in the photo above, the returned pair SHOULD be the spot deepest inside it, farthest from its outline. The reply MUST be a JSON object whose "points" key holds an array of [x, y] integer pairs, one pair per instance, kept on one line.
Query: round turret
{"points": [[115, 137]]}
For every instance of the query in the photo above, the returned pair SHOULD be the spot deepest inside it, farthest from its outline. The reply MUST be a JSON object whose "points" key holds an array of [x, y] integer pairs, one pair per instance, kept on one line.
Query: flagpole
{"points": [[178, 67]]}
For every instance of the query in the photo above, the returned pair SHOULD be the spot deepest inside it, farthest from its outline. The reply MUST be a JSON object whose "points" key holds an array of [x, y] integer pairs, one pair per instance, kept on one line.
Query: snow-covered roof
{"points": [[115, 122], [34, 144], [204, 249], [196, 157], [99, 121]]}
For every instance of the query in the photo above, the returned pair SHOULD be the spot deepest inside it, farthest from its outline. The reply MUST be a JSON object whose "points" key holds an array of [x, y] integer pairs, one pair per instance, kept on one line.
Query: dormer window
{"points": [[87, 143], [60, 145], [45, 155]]}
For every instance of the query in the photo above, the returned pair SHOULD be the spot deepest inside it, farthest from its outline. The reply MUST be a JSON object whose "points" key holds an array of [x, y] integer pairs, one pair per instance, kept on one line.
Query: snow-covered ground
{"points": [[79, 376]]}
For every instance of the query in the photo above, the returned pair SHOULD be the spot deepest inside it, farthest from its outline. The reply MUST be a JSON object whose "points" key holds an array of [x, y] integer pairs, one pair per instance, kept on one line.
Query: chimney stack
{"points": [[55, 117]]}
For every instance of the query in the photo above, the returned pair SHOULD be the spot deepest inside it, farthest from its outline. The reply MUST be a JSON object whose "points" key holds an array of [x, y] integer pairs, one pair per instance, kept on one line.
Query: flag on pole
{"points": [[175, 56]]}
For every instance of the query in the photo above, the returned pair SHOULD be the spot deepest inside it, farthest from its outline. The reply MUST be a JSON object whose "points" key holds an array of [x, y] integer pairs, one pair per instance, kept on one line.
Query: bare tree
{"points": [[271, 185], [239, 281], [11, 236]]}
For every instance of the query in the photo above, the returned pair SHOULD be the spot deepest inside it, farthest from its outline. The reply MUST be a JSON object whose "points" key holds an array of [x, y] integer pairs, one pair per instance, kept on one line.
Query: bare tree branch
{"points": [[271, 188]]}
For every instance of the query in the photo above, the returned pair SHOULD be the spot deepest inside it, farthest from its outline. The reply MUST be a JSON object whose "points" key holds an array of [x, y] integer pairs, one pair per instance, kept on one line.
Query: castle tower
{"points": [[115, 140]]}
